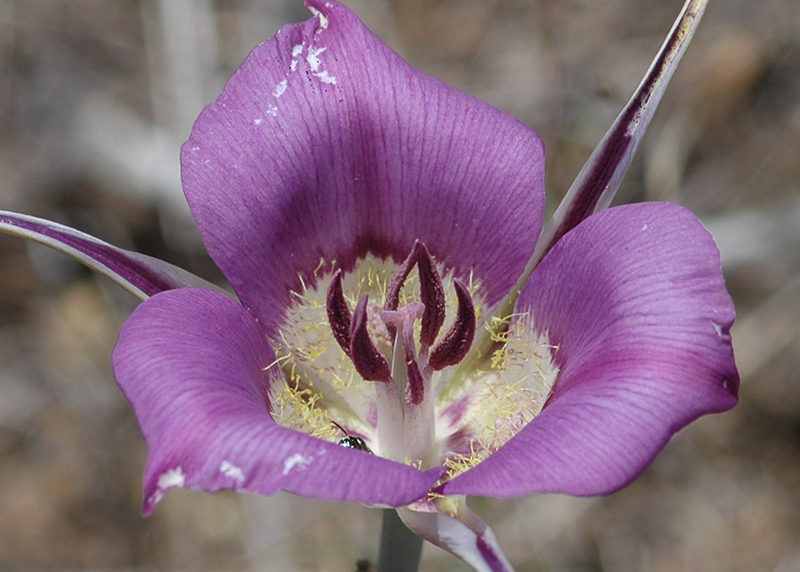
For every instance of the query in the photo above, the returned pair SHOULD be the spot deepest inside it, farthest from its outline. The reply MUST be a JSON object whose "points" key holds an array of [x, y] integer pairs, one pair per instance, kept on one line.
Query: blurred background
{"points": [[96, 97]]}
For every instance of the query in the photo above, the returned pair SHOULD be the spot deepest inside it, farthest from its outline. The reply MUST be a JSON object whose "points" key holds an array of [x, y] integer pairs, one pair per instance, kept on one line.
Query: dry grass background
{"points": [[96, 97]]}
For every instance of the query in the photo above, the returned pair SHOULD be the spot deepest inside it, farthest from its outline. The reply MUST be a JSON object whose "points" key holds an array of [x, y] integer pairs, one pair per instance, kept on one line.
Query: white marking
{"points": [[717, 327], [323, 20], [272, 110], [326, 77], [171, 479], [296, 51], [258, 120], [174, 478], [313, 58], [296, 460], [195, 148], [280, 88], [231, 471], [644, 227]]}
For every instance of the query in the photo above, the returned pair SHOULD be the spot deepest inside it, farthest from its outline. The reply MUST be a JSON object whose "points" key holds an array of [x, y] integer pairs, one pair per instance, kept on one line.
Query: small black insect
{"points": [[351, 441]]}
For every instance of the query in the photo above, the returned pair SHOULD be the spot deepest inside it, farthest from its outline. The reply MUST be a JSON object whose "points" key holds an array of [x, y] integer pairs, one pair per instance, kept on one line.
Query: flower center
{"points": [[405, 403], [380, 359]]}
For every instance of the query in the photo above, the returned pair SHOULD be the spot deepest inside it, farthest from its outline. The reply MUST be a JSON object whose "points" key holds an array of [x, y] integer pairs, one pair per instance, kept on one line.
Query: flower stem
{"points": [[400, 548]]}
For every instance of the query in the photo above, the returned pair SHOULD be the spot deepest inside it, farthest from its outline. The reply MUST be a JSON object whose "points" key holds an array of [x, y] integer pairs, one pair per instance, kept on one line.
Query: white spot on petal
{"points": [[258, 120], [717, 327], [293, 67], [280, 88], [171, 479], [174, 478], [326, 77], [297, 50], [323, 20], [272, 110], [644, 227], [231, 471], [296, 460], [313, 58]]}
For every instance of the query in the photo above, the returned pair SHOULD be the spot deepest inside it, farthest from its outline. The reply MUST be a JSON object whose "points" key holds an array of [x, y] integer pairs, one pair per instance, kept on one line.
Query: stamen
{"points": [[431, 294], [368, 360], [399, 278], [339, 313], [455, 344]]}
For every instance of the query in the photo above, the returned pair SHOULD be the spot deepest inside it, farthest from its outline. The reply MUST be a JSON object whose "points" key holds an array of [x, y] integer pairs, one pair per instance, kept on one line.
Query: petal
{"points": [[635, 302], [195, 365], [139, 274], [326, 144]]}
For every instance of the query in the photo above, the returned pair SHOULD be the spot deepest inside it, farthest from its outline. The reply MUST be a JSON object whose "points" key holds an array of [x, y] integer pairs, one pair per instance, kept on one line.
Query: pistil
{"points": [[405, 399]]}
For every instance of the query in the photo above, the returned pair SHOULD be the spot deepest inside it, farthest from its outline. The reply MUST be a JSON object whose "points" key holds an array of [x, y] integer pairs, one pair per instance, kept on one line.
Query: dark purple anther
{"points": [[369, 361], [399, 278], [396, 284], [338, 312], [455, 344], [431, 294]]}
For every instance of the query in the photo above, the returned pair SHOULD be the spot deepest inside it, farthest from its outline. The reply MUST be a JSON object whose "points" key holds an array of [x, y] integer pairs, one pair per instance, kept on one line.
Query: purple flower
{"points": [[399, 341]]}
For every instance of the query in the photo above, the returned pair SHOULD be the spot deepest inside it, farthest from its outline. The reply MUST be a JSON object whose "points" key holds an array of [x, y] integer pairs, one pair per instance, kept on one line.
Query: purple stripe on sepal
{"points": [[583, 205], [490, 555], [140, 275], [460, 532], [598, 182]]}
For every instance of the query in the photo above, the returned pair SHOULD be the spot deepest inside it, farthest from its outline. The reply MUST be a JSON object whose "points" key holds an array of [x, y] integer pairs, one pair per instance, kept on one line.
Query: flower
{"points": [[398, 340]]}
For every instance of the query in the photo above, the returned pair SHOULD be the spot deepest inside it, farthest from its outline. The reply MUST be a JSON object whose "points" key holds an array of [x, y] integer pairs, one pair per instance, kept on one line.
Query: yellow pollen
{"points": [[511, 390], [459, 463], [417, 464], [298, 409]]}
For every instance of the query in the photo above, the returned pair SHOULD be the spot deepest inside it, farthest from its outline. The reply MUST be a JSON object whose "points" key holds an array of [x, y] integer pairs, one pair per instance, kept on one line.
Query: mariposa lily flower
{"points": [[401, 338]]}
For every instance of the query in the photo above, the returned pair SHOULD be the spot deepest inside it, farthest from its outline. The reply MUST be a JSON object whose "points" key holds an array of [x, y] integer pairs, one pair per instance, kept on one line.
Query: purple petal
{"points": [[326, 144], [635, 301], [140, 275], [194, 365], [601, 176]]}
